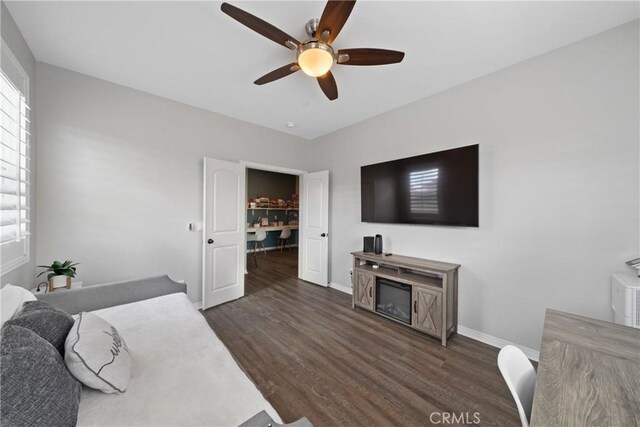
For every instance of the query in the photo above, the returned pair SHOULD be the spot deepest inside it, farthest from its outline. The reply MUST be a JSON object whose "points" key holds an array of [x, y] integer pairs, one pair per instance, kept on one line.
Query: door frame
{"points": [[278, 169]]}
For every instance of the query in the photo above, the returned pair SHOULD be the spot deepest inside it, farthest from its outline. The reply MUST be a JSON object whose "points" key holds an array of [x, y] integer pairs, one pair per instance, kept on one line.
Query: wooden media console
{"points": [[433, 288]]}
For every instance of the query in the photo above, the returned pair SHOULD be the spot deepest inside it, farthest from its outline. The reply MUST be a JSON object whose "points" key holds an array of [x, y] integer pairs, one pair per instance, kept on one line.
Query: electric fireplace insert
{"points": [[393, 299]]}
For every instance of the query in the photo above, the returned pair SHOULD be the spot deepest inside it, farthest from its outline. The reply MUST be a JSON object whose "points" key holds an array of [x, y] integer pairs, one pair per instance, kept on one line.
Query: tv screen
{"points": [[437, 188]]}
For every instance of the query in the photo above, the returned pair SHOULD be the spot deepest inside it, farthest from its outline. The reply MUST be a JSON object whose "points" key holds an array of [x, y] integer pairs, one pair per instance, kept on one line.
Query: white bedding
{"points": [[182, 373]]}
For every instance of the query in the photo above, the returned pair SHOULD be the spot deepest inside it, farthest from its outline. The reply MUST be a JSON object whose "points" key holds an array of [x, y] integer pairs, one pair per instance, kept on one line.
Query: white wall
{"points": [[25, 274], [120, 175], [559, 183]]}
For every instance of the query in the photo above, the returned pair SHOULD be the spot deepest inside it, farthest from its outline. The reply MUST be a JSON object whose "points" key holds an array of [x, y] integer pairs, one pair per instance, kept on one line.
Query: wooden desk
{"points": [[588, 374], [270, 228]]}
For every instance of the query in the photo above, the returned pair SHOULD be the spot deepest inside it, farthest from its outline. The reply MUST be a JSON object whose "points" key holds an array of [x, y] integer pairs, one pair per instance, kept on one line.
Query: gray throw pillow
{"points": [[37, 388], [47, 321]]}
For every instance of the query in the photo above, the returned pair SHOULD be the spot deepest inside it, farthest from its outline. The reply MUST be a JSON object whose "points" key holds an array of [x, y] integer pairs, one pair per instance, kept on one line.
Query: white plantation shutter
{"points": [[14, 164]]}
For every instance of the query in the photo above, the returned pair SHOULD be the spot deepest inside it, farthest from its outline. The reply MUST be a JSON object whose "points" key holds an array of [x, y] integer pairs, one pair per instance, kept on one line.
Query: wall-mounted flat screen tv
{"points": [[437, 188]]}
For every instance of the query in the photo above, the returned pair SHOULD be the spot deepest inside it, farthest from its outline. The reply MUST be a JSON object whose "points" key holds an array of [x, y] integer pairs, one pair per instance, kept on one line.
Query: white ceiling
{"points": [[191, 52]]}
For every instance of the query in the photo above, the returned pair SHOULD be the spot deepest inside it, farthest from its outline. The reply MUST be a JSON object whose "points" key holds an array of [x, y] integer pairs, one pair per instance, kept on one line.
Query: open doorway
{"points": [[272, 220], [229, 218]]}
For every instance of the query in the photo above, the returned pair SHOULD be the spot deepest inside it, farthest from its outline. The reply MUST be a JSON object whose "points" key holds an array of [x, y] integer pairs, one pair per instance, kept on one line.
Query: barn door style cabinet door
{"points": [[419, 293], [364, 287], [427, 310]]}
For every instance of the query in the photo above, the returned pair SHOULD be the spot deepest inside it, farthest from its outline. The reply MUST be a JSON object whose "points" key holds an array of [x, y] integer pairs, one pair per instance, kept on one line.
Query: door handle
{"points": [[210, 241], [323, 235], [415, 306], [370, 292]]}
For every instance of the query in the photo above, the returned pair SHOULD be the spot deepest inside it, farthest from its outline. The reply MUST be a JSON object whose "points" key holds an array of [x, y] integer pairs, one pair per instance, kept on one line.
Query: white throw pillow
{"points": [[11, 300], [96, 354]]}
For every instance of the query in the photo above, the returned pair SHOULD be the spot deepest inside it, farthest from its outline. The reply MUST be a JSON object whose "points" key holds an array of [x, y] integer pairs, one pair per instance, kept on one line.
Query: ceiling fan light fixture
{"points": [[315, 58]]}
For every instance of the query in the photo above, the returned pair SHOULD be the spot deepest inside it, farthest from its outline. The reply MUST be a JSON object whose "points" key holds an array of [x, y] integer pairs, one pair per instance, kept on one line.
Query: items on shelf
{"points": [[271, 217], [262, 202]]}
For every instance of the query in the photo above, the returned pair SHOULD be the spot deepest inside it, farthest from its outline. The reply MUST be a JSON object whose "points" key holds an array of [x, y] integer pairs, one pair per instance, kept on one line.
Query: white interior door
{"points": [[314, 237], [224, 235]]}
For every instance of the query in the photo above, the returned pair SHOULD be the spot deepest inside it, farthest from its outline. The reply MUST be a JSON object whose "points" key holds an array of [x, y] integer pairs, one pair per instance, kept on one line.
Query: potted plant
{"points": [[59, 274]]}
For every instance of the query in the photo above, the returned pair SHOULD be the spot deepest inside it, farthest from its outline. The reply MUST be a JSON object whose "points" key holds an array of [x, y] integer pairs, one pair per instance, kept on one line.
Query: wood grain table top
{"points": [[588, 373], [408, 262]]}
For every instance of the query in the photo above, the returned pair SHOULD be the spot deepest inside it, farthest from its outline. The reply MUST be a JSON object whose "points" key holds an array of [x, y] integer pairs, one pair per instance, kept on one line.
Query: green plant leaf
{"points": [[57, 268]]}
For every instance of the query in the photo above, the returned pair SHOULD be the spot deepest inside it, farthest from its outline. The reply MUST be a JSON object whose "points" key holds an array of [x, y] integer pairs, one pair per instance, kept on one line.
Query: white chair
{"points": [[285, 235], [520, 376], [257, 238], [260, 237]]}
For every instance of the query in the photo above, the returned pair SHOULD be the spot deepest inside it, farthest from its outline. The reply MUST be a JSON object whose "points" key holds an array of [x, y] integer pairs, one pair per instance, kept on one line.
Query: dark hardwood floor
{"points": [[312, 355]]}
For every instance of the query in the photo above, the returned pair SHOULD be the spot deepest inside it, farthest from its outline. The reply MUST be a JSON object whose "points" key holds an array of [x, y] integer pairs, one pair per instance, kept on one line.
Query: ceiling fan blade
{"points": [[260, 26], [369, 56], [278, 74], [328, 85], [333, 17]]}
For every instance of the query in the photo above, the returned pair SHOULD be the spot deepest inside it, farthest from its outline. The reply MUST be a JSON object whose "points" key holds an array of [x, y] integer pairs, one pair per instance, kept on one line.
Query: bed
{"points": [[182, 373]]}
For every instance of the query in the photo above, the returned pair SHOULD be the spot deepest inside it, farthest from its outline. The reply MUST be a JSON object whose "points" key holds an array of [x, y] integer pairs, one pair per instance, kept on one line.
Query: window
{"points": [[423, 192], [14, 163]]}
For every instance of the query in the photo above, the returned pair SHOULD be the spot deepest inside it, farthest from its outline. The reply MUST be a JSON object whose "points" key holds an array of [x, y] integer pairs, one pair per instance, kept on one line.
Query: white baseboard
{"points": [[496, 342], [341, 288], [198, 305], [271, 248]]}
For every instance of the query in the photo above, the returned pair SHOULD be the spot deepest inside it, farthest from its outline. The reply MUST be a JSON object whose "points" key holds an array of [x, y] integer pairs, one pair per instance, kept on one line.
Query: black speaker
{"points": [[368, 244], [378, 244]]}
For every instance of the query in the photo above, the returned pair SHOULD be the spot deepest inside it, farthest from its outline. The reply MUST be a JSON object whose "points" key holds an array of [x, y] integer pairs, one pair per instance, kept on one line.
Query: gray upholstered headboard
{"points": [[95, 297]]}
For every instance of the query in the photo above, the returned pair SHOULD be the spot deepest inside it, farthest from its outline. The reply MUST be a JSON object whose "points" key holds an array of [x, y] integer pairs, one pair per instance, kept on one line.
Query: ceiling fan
{"points": [[316, 55]]}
